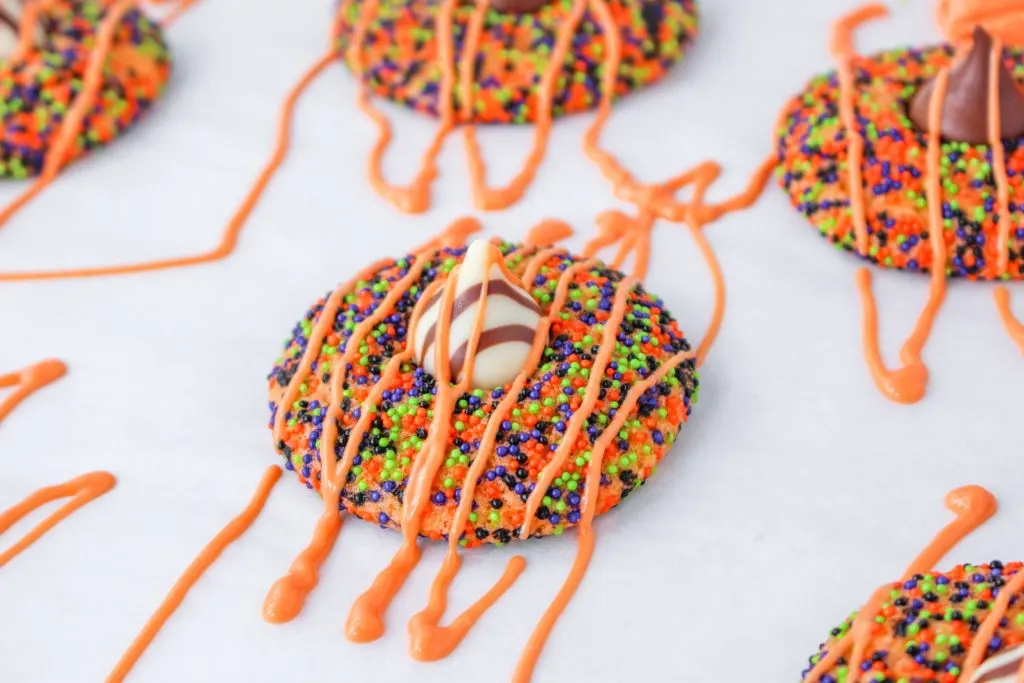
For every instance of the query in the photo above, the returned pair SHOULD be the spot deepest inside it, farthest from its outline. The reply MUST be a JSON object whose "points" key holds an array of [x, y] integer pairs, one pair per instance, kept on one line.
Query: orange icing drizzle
{"points": [[844, 53], [228, 535], [531, 653], [1002, 18], [995, 139], [180, 7], [428, 641], [1002, 295], [633, 234], [972, 506], [548, 231], [414, 198], [568, 442], [316, 340], [287, 595], [290, 592], [28, 381], [229, 239], [907, 383], [81, 490], [366, 618], [27, 29], [488, 198], [1013, 326]]}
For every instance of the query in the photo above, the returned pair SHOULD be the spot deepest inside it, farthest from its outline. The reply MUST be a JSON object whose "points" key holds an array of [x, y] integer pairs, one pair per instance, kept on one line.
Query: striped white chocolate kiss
{"points": [[510, 321], [1002, 668]]}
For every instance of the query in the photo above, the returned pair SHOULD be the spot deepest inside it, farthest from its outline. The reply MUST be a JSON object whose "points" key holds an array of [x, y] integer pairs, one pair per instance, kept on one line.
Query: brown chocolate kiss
{"points": [[965, 113], [519, 6]]}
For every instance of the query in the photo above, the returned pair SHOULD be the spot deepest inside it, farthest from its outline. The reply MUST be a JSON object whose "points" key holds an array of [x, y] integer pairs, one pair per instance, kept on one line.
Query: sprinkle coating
{"points": [[401, 48], [37, 90], [924, 630], [531, 432], [813, 151]]}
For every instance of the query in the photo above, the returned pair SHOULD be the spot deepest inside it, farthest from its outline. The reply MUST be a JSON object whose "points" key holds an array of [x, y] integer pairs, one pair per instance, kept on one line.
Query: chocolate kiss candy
{"points": [[965, 112], [519, 6], [1001, 668], [511, 319]]}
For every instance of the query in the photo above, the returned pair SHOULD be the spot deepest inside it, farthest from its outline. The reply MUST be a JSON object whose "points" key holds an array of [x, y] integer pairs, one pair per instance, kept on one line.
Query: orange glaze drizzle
{"points": [[366, 618], [1003, 18], [844, 53], [180, 7], [28, 381], [1013, 326], [316, 340], [229, 239], [907, 383], [428, 641], [995, 133], [286, 597], [82, 491], [633, 234], [228, 535], [531, 653], [995, 139], [484, 197], [568, 442], [973, 506], [288, 594], [548, 231], [27, 29], [414, 198]]}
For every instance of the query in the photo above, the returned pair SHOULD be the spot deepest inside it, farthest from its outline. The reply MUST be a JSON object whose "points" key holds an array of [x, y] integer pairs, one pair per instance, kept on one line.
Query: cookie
{"points": [[571, 316], [399, 54], [961, 626], [890, 100], [40, 85], [928, 625]]}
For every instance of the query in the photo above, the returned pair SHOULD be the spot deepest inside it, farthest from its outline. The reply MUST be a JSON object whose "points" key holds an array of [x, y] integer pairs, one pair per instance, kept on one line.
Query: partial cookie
{"points": [[401, 49], [813, 152], [927, 625], [38, 88]]}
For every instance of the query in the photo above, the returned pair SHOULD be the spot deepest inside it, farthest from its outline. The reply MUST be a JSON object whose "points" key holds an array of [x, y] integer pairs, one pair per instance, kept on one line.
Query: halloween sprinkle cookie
{"points": [[814, 156], [913, 159], [600, 324], [479, 395], [965, 625], [41, 81], [400, 51]]}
